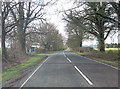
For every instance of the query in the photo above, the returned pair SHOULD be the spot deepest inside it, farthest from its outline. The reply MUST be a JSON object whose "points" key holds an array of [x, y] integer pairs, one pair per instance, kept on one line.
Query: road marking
{"points": [[101, 63], [64, 54], [32, 74], [68, 59], [98, 62], [84, 76]]}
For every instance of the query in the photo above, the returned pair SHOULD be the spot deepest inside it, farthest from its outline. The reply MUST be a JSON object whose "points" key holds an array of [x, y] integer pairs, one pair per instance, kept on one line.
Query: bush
{"points": [[110, 52], [40, 50], [105, 55], [85, 49], [89, 51]]}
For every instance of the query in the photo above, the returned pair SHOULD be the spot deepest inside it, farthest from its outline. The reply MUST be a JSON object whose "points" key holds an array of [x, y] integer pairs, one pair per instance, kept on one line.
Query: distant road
{"points": [[65, 69]]}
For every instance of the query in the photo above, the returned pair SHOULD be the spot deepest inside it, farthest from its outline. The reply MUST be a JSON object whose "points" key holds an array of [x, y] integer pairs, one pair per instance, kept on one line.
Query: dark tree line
{"points": [[96, 18]]}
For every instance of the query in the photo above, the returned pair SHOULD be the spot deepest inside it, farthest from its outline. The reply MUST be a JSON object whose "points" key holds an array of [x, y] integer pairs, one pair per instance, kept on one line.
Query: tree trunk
{"points": [[4, 52], [21, 30], [80, 44], [21, 39], [101, 43], [81, 38], [80, 41]]}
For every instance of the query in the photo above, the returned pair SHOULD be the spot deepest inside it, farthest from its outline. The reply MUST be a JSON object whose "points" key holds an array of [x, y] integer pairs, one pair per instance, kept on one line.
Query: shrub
{"points": [[85, 49], [110, 52], [40, 50], [105, 55]]}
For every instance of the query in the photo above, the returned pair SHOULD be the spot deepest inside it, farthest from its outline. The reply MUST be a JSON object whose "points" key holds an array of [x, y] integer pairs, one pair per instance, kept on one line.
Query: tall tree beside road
{"points": [[24, 16], [5, 12], [88, 21], [17, 17]]}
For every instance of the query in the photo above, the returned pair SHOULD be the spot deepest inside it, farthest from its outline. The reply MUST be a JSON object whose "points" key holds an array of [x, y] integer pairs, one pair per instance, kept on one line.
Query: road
{"points": [[66, 69]]}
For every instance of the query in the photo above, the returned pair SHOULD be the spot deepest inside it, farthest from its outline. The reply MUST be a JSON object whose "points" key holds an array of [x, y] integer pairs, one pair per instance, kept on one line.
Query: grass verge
{"points": [[114, 63], [13, 72]]}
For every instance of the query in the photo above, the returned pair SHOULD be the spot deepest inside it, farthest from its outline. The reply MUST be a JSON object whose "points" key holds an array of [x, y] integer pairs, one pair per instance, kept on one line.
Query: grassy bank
{"points": [[109, 57], [14, 72], [113, 63]]}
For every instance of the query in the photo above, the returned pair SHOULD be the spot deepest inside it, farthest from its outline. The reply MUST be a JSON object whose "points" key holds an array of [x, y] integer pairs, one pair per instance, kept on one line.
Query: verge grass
{"points": [[113, 63], [109, 57], [14, 71]]}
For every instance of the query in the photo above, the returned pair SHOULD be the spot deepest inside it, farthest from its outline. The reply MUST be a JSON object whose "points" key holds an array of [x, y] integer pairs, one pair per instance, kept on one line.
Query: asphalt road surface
{"points": [[65, 69]]}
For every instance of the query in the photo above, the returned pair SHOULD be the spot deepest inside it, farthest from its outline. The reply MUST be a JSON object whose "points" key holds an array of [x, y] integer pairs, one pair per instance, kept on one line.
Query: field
{"points": [[107, 49]]}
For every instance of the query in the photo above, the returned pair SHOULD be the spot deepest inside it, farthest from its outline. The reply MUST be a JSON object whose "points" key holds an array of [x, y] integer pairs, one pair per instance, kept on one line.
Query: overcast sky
{"points": [[54, 16]]}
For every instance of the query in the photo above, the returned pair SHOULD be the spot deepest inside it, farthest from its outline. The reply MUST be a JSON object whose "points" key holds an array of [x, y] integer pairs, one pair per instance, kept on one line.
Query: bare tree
{"points": [[5, 26], [25, 14]]}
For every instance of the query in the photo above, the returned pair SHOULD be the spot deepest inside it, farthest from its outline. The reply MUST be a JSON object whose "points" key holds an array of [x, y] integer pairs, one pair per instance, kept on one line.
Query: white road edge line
{"points": [[100, 62], [32, 74], [103, 63], [83, 76], [68, 59]]}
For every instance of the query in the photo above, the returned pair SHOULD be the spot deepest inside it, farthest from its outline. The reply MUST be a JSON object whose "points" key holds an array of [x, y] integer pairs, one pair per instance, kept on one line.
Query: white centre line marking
{"points": [[68, 59], [84, 76], [64, 54]]}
